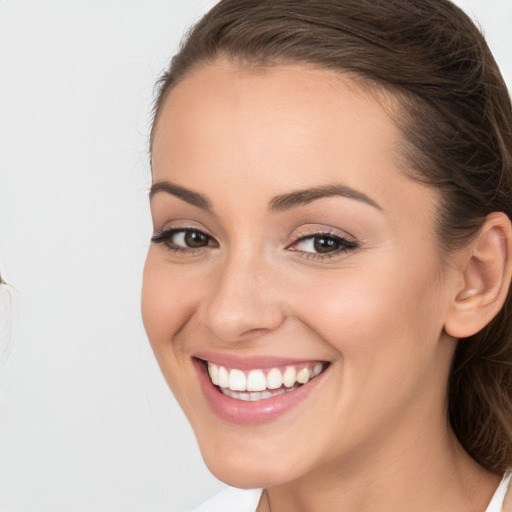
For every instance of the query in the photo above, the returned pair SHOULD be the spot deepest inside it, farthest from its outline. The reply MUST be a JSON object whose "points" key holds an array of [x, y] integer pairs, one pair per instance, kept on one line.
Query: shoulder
{"points": [[232, 500]]}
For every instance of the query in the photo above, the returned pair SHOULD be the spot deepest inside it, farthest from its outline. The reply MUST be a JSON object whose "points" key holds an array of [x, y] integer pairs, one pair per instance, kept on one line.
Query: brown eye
{"points": [[183, 239], [193, 239], [323, 244]]}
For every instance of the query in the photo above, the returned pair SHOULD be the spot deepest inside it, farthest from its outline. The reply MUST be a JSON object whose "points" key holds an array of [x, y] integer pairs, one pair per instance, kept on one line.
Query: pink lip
{"points": [[251, 363], [251, 413]]}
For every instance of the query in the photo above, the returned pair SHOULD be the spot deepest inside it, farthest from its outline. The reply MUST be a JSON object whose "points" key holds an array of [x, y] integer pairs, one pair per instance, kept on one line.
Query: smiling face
{"points": [[294, 258]]}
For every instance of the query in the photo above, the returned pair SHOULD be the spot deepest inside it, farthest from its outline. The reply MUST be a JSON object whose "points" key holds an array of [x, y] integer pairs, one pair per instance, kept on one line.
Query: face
{"points": [[294, 259]]}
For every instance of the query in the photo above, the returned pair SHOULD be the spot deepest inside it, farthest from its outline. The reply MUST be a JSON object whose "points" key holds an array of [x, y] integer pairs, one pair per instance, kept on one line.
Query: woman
{"points": [[327, 284]]}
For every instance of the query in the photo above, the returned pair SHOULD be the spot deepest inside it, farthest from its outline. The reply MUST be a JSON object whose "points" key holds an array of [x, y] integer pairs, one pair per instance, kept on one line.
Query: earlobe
{"points": [[486, 273]]}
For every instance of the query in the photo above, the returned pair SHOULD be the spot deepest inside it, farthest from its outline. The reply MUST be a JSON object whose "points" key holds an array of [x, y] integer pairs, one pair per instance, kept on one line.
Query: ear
{"points": [[486, 269]]}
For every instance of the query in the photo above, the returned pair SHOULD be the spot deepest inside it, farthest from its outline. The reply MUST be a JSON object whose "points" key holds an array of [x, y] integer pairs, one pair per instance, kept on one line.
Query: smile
{"points": [[261, 384], [256, 389]]}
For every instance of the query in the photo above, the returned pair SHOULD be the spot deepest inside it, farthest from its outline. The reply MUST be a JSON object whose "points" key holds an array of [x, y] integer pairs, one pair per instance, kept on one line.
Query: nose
{"points": [[244, 302]]}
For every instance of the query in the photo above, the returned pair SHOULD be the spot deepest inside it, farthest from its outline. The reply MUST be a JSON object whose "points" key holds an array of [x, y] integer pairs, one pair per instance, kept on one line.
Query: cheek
{"points": [[385, 327], [155, 303], [167, 300], [166, 306], [387, 311]]}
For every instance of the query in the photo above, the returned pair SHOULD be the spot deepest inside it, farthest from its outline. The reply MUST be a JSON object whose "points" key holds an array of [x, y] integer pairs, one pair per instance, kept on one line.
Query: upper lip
{"points": [[252, 362]]}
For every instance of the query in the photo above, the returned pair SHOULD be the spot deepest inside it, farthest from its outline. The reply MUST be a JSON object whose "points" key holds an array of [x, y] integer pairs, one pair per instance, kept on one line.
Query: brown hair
{"points": [[456, 118]]}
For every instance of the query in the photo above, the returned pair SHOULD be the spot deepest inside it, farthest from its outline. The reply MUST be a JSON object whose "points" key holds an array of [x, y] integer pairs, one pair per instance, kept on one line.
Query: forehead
{"points": [[279, 103], [280, 128], [300, 90]]}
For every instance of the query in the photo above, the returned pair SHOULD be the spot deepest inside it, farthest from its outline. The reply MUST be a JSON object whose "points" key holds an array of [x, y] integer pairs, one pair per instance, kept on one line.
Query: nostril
{"points": [[254, 333]]}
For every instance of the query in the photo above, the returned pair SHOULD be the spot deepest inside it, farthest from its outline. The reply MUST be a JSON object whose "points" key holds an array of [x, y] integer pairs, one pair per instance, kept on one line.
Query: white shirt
{"points": [[231, 499], [242, 500]]}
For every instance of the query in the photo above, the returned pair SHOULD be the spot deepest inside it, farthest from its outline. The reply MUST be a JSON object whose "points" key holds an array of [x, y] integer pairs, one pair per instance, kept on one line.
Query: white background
{"points": [[86, 421]]}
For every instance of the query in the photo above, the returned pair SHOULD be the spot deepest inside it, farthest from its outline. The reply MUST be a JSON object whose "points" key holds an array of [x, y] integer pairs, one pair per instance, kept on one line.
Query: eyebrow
{"points": [[303, 197], [189, 196], [277, 204]]}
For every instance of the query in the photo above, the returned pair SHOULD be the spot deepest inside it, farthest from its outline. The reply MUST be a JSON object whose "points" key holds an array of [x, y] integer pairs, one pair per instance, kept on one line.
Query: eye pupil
{"points": [[196, 239], [324, 244]]}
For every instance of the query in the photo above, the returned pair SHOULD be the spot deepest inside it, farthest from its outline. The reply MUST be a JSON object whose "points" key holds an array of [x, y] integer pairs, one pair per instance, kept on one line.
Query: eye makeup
{"points": [[184, 240], [318, 244]]}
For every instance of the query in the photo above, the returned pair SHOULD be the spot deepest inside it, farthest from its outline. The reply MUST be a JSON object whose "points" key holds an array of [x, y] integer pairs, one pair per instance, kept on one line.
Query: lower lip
{"points": [[241, 412]]}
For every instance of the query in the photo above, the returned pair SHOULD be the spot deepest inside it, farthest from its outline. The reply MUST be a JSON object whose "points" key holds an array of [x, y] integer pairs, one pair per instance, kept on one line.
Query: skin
{"points": [[373, 434]]}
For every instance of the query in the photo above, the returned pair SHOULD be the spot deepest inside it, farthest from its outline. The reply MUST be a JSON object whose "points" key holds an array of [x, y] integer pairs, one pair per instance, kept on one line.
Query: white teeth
{"points": [[256, 381], [257, 395], [223, 377], [237, 381], [289, 376], [213, 370], [255, 385], [274, 379], [303, 375], [232, 394]]}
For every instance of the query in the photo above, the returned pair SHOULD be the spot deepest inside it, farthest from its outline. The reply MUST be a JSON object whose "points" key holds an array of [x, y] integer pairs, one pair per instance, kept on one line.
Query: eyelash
{"points": [[345, 245], [165, 237]]}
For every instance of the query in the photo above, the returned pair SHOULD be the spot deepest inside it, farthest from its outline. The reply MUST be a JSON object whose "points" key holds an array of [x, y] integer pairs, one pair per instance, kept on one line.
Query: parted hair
{"points": [[454, 111]]}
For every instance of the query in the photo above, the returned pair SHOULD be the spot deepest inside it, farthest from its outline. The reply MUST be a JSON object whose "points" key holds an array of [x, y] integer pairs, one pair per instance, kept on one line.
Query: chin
{"points": [[247, 472], [252, 477]]}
